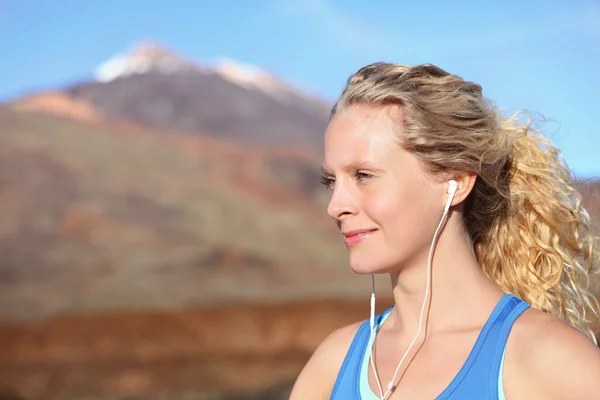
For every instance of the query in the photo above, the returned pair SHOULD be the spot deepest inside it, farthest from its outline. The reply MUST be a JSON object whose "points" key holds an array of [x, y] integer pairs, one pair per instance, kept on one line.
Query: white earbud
{"points": [[452, 188]]}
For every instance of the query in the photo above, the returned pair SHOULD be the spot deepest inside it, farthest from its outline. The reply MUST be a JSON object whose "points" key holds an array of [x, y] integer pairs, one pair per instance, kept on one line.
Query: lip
{"points": [[352, 238]]}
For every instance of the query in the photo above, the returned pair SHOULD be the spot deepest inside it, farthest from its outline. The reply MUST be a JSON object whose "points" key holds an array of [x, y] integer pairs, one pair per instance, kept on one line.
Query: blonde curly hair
{"points": [[524, 217]]}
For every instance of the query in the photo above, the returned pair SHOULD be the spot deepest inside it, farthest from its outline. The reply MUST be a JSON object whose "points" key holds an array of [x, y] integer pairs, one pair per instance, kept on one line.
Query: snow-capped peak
{"points": [[150, 57], [144, 57]]}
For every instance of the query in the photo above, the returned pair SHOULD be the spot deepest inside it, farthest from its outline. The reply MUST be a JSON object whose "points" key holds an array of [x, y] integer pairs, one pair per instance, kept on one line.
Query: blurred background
{"points": [[163, 232]]}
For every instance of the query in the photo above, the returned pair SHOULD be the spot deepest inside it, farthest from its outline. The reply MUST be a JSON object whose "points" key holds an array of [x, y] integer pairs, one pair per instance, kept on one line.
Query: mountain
{"points": [[163, 186]]}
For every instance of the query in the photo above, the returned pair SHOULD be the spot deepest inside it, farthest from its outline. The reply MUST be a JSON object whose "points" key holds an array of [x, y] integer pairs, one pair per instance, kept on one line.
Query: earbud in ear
{"points": [[452, 188]]}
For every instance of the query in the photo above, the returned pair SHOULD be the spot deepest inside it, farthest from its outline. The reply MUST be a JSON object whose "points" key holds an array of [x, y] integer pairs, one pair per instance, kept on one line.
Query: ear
{"points": [[465, 185]]}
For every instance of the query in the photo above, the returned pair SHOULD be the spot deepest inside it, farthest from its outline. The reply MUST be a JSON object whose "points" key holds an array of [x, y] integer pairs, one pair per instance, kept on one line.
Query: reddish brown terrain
{"points": [[248, 348], [164, 236]]}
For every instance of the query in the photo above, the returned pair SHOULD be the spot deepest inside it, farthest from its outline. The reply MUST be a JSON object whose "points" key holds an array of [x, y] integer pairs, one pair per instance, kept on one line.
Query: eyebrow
{"points": [[353, 166], [325, 170]]}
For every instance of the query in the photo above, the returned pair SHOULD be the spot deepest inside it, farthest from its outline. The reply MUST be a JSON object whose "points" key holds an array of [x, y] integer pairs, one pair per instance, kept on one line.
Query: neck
{"points": [[456, 280]]}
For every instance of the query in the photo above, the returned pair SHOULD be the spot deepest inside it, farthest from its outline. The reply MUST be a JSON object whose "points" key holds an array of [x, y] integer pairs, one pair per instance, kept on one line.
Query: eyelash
{"points": [[328, 182], [362, 175]]}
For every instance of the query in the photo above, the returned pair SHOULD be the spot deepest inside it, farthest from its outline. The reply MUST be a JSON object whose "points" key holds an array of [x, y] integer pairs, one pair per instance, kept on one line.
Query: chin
{"points": [[370, 265]]}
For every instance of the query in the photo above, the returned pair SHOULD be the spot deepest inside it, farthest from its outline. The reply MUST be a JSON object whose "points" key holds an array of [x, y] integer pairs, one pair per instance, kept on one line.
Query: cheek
{"points": [[403, 215], [393, 211]]}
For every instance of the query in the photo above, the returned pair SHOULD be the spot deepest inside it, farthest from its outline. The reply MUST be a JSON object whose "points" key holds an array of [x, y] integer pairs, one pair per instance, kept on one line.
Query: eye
{"points": [[327, 182], [362, 176]]}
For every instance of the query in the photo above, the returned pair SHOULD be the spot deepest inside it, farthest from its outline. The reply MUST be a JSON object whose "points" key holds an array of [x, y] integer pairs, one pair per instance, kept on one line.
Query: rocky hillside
{"points": [[100, 217]]}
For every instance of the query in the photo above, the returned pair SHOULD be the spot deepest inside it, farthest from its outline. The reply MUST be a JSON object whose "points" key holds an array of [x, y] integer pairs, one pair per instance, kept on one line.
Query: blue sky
{"points": [[537, 55]]}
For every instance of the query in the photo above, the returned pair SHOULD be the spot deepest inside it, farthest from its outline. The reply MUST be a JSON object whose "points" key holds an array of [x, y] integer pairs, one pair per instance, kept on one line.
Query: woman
{"points": [[474, 218]]}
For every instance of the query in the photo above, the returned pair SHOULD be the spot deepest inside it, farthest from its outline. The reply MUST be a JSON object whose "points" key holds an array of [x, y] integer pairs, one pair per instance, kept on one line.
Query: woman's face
{"points": [[385, 205]]}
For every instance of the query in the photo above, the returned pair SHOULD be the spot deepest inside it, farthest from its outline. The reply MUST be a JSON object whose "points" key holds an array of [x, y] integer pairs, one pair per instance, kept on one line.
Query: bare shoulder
{"points": [[548, 358], [320, 372]]}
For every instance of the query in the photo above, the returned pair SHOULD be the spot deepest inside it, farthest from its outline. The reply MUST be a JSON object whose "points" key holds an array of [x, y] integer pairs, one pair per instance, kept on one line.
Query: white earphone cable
{"points": [[427, 290]]}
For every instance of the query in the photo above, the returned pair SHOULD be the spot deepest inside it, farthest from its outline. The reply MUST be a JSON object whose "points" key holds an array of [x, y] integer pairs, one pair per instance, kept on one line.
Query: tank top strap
{"points": [[479, 375]]}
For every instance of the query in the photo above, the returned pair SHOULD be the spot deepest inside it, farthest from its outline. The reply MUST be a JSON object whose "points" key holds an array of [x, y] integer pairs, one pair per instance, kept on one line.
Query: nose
{"points": [[342, 203]]}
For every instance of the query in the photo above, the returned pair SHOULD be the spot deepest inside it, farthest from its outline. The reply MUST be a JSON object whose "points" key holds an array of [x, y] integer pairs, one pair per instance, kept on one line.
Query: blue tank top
{"points": [[480, 377]]}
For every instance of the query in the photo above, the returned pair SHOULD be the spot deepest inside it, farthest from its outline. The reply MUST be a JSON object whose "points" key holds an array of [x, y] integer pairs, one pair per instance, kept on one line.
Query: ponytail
{"points": [[541, 247]]}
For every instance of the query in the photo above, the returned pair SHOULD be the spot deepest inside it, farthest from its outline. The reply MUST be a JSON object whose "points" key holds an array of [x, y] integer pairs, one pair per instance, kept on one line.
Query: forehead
{"points": [[360, 133]]}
